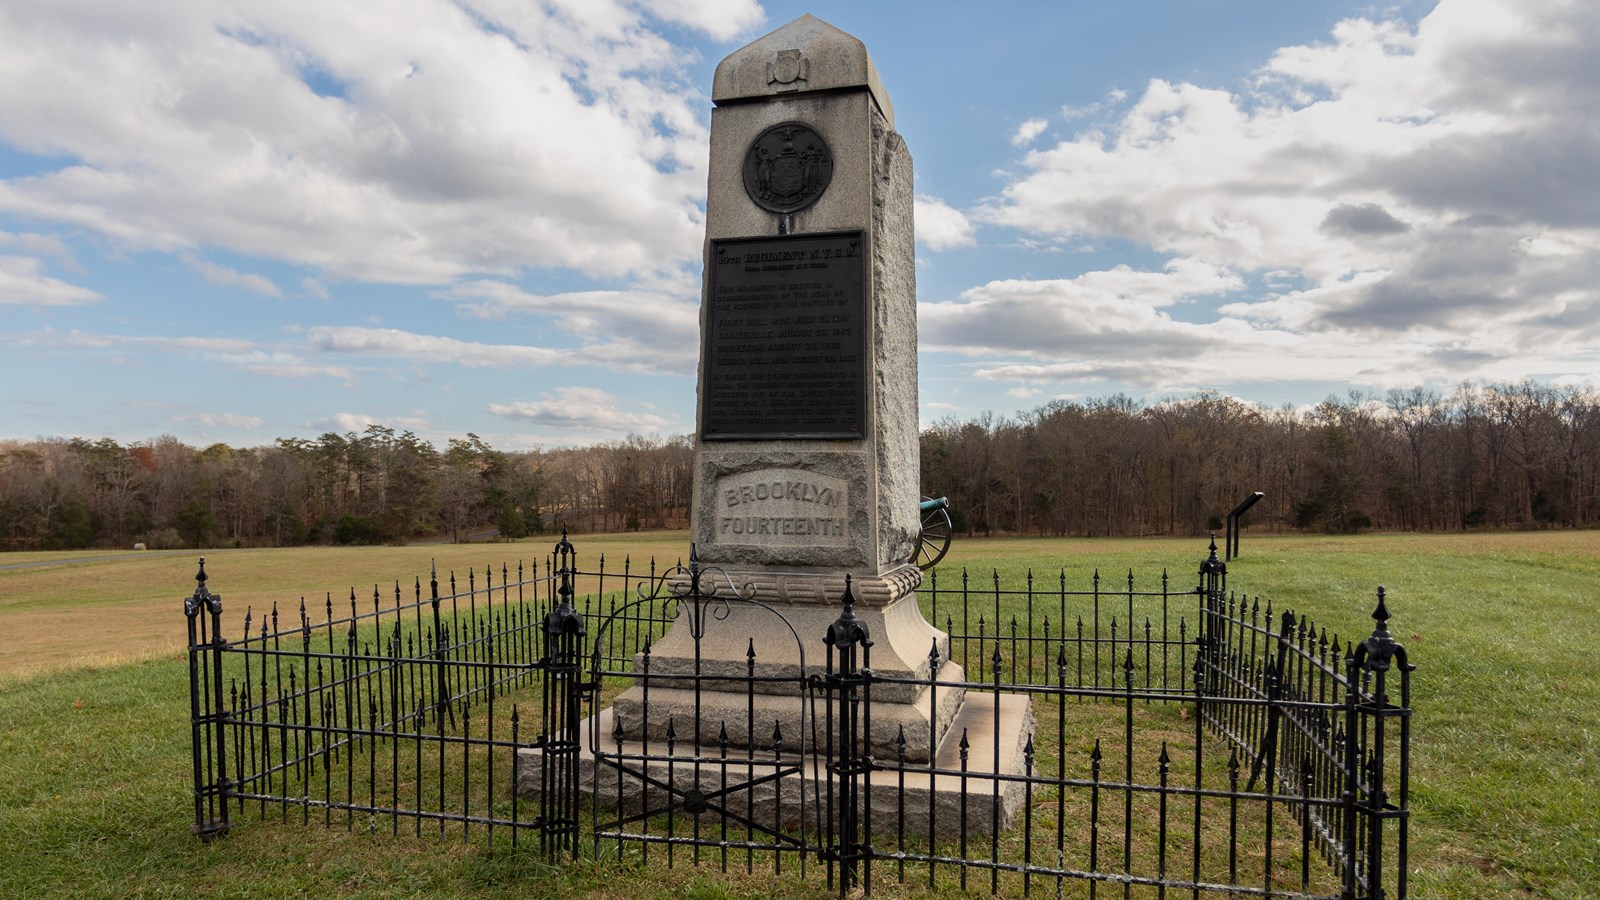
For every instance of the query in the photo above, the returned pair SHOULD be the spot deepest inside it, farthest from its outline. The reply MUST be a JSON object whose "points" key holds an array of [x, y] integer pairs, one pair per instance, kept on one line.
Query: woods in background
{"points": [[378, 486], [1503, 456]]}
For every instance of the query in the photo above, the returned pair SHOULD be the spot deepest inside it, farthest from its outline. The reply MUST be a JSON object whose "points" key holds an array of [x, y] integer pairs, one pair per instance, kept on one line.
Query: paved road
{"points": [[43, 563]]}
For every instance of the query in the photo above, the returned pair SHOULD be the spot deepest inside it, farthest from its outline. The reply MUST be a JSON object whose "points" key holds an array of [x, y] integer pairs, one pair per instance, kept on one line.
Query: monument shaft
{"points": [[808, 356]]}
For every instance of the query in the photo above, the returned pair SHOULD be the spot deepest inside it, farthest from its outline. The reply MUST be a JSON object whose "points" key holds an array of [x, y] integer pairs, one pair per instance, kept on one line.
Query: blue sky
{"points": [[236, 221]]}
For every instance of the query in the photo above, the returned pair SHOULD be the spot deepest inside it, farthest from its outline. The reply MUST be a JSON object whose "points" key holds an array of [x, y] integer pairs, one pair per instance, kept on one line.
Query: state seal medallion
{"points": [[787, 167]]}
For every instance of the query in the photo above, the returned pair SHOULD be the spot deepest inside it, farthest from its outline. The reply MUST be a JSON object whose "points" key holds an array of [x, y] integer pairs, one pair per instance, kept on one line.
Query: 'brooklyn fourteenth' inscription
{"points": [[785, 338]]}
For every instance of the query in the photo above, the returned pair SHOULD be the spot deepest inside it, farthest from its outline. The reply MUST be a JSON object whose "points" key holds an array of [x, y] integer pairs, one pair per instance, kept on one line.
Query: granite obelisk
{"points": [[807, 466], [806, 474]]}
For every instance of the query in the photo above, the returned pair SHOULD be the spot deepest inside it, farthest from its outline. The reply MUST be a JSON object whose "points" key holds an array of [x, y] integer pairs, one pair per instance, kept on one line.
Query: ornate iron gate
{"points": [[665, 772]]}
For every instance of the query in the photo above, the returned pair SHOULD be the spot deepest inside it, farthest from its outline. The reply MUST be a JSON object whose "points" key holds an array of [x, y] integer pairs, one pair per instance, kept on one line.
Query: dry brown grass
{"points": [[86, 613]]}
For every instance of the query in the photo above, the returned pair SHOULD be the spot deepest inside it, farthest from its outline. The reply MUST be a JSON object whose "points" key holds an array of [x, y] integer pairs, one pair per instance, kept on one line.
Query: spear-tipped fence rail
{"points": [[1190, 742]]}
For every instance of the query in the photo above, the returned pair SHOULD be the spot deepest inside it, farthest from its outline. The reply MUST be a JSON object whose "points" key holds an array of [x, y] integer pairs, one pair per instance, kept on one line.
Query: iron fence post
{"points": [[1213, 577], [207, 712], [562, 699], [848, 645], [1376, 656]]}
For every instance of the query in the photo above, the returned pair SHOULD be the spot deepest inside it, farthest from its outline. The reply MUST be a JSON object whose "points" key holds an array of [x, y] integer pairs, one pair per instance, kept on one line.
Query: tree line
{"points": [[1499, 456], [377, 486]]}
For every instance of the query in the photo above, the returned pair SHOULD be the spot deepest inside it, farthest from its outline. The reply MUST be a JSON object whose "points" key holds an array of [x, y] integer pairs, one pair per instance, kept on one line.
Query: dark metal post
{"points": [[1213, 582], [848, 669], [562, 699], [1231, 536], [1376, 656], [207, 715]]}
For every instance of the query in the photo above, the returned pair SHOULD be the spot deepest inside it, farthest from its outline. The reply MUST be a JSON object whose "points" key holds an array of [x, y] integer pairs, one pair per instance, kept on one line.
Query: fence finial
{"points": [[1376, 652], [201, 598], [847, 629], [192, 603], [1212, 565], [564, 618]]}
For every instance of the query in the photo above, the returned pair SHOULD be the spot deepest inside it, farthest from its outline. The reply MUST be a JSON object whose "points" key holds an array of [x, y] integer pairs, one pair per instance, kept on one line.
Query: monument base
{"points": [[744, 667], [751, 718], [945, 798]]}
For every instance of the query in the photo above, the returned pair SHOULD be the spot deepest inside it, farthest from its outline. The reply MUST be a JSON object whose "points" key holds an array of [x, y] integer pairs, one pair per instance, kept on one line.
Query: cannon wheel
{"points": [[934, 541]]}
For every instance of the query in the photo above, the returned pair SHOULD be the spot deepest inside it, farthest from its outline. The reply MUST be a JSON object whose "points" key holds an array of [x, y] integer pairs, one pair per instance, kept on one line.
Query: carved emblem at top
{"points": [[787, 72]]}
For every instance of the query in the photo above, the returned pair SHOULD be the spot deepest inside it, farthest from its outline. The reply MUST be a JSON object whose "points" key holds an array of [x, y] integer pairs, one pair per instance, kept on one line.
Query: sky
{"points": [[240, 220]]}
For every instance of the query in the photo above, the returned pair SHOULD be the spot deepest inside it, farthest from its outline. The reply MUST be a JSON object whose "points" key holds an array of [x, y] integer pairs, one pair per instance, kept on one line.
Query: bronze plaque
{"points": [[785, 338], [787, 167]]}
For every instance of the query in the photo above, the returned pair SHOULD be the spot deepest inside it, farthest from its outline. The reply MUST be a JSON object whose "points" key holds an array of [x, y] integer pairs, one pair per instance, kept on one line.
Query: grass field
{"points": [[94, 750]]}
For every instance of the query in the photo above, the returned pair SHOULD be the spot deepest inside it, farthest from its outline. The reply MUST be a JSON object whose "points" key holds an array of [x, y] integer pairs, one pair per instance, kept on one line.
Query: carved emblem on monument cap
{"points": [[787, 167], [787, 70]]}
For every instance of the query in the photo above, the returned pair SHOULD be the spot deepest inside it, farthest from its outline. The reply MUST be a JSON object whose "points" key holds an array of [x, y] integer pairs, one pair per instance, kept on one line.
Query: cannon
{"points": [[934, 539]]}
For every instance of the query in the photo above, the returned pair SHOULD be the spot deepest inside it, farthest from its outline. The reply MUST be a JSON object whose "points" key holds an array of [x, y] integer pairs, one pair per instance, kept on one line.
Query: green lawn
{"points": [[94, 748]]}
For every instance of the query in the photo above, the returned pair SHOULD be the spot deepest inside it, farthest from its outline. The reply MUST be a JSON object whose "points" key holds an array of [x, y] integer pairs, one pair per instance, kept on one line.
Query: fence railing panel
{"points": [[1218, 746]]}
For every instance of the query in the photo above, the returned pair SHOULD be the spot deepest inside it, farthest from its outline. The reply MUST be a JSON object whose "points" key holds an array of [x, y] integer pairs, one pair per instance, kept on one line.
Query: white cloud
{"points": [[51, 339], [428, 143], [23, 283], [1117, 327], [940, 226], [581, 410], [222, 275], [278, 364], [614, 355], [636, 330], [391, 342], [1029, 130], [639, 316], [343, 423], [1114, 97], [346, 422], [244, 354], [1428, 190], [1098, 312], [720, 19], [41, 245], [222, 420]]}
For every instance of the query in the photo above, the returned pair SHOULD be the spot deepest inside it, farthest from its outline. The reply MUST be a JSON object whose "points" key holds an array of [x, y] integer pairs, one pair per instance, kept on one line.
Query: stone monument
{"points": [[806, 467], [807, 462]]}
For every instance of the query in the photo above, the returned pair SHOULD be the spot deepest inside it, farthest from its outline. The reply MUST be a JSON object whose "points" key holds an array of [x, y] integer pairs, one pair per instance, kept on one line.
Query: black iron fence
{"points": [[1188, 741], [1095, 625]]}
